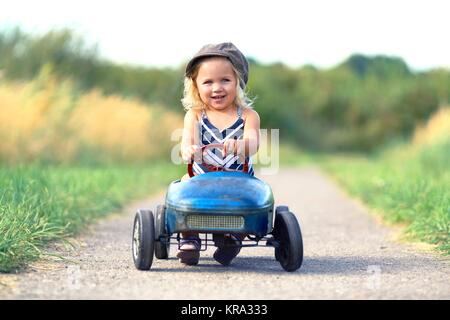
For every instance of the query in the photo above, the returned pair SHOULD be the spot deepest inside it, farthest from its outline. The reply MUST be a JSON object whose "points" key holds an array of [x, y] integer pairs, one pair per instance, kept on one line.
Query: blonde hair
{"points": [[191, 97]]}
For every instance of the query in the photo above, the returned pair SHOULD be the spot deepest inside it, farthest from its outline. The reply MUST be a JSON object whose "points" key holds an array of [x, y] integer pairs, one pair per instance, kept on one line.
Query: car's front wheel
{"points": [[287, 232], [143, 239]]}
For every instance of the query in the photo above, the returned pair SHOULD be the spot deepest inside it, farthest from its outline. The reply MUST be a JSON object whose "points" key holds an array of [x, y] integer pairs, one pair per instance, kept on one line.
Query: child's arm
{"points": [[251, 133], [249, 144], [190, 141]]}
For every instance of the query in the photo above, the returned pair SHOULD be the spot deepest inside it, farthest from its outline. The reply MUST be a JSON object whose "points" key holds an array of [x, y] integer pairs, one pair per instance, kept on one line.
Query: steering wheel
{"points": [[210, 167]]}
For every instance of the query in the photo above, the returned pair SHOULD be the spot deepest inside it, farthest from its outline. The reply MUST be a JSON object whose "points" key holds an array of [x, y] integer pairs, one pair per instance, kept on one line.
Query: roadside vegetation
{"points": [[39, 203], [407, 184]]}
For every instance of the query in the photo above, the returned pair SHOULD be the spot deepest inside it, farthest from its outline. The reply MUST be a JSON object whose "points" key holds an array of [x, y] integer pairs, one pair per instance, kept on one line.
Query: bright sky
{"points": [[319, 32]]}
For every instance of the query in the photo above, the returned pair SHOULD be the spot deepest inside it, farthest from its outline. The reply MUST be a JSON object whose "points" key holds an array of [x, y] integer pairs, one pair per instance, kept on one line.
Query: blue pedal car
{"points": [[218, 203]]}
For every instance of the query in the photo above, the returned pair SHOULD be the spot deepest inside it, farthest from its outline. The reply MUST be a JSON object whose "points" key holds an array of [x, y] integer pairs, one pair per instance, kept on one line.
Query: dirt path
{"points": [[347, 256]]}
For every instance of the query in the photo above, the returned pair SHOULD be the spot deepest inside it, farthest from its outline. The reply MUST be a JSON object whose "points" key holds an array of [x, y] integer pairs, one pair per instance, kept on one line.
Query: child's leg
{"points": [[189, 248], [224, 255]]}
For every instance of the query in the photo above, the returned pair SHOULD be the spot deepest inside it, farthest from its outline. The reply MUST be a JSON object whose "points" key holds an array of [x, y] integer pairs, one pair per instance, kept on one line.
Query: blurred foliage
{"points": [[22, 56], [49, 121], [358, 105], [406, 183]]}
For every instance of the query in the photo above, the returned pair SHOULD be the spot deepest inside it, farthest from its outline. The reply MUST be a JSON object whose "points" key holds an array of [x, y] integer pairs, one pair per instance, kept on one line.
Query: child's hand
{"points": [[233, 146], [189, 152]]}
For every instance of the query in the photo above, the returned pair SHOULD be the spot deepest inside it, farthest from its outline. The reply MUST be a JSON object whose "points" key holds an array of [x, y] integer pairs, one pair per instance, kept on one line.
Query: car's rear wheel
{"points": [[162, 240]]}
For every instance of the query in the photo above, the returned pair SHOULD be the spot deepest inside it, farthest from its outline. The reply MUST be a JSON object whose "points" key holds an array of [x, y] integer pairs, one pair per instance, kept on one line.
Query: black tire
{"points": [[287, 233], [162, 248], [281, 209], [143, 239]]}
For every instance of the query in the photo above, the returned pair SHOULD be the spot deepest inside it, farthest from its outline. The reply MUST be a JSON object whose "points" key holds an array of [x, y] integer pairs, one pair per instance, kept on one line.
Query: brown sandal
{"points": [[189, 253], [224, 255]]}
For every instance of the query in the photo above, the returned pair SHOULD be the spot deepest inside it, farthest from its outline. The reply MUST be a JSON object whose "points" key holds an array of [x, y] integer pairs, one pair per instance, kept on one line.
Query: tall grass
{"points": [[53, 122], [408, 184]]}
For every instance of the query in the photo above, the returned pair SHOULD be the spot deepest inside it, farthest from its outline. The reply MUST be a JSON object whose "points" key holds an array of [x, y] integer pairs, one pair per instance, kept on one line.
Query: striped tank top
{"points": [[210, 134]]}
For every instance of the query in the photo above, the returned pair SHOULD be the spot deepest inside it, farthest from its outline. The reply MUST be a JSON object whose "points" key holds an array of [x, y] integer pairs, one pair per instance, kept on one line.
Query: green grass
{"points": [[39, 204], [406, 186]]}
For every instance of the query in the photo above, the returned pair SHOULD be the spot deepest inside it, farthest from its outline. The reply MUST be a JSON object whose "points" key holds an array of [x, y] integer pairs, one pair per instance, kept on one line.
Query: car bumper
{"points": [[257, 222]]}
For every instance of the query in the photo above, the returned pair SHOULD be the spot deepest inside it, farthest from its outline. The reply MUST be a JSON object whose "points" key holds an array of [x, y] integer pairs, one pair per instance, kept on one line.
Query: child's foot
{"points": [[189, 253], [224, 255]]}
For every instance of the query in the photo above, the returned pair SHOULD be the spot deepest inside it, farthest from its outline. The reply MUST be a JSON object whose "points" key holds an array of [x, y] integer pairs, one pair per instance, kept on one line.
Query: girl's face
{"points": [[216, 83]]}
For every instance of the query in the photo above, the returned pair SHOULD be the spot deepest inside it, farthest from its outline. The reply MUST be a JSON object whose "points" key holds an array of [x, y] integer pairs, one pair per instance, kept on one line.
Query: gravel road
{"points": [[348, 255]]}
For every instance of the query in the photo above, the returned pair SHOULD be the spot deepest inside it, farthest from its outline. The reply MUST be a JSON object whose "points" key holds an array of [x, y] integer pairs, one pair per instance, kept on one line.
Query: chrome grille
{"points": [[215, 222]]}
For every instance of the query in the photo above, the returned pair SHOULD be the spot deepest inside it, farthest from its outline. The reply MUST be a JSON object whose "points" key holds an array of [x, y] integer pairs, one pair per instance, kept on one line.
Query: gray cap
{"points": [[227, 50]]}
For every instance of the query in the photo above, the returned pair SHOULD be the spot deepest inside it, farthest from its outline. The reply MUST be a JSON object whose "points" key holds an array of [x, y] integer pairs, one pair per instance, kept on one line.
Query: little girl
{"points": [[218, 111]]}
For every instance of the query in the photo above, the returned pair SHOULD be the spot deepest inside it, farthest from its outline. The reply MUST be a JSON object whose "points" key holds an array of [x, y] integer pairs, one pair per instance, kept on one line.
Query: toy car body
{"points": [[220, 202]]}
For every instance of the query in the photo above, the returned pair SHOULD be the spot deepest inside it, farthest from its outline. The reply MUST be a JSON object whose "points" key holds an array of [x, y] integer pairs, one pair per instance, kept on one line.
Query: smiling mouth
{"points": [[218, 97]]}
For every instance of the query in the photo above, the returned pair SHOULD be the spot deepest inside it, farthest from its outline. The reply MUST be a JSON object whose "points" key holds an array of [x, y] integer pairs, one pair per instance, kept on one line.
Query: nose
{"points": [[217, 87]]}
